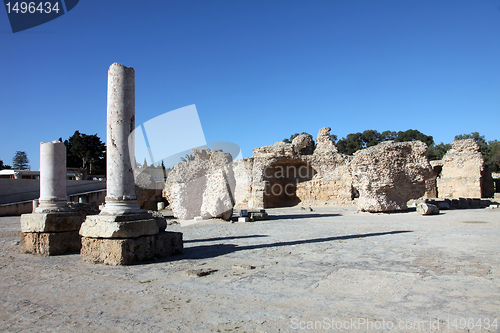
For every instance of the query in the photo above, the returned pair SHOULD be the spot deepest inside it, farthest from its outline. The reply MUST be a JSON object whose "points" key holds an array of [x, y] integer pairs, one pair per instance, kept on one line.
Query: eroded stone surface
{"points": [[287, 174], [119, 226], [202, 187], [389, 174], [51, 222], [50, 243], [131, 250], [120, 185], [462, 171]]}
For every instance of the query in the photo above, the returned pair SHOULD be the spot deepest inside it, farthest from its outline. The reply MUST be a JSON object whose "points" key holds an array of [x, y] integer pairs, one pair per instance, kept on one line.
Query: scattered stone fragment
{"points": [[258, 216], [200, 272], [244, 266], [427, 209]]}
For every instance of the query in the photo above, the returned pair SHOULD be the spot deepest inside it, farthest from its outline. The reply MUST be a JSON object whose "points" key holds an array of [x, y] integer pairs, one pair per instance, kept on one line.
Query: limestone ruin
{"points": [[389, 174], [378, 179], [286, 174], [123, 233], [203, 187], [461, 173]]}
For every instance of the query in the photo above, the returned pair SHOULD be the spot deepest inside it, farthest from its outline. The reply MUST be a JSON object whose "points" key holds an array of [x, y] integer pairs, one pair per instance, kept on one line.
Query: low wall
{"points": [[17, 190], [94, 197], [16, 209], [26, 207]]}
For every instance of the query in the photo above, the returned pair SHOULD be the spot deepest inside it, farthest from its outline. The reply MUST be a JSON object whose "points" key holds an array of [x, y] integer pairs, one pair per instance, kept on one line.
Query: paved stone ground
{"points": [[297, 272]]}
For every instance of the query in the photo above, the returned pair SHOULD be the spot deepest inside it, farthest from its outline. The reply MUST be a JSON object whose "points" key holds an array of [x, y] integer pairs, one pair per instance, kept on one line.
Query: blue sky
{"points": [[257, 71]]}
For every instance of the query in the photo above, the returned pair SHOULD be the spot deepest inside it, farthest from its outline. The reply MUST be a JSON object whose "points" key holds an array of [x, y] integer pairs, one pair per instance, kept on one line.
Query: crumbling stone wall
{"points": [[463, 173], [287, 174], [389, 174]]}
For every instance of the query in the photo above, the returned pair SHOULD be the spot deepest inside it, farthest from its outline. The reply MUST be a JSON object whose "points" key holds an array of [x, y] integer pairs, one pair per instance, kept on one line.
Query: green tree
{"points": [[479, 139], [21, 161], [351, 144], [493, 156], [188, 157], [436, 152], [4, 166], [412, 135], [87, 152], [356, 141]]}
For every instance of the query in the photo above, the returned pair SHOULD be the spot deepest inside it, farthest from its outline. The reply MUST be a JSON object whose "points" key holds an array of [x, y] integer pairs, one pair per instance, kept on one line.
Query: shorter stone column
{"points": [[53, 227]]}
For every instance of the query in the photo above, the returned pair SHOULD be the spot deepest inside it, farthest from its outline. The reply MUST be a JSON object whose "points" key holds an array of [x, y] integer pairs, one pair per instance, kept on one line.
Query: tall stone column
{"points": [[52, 177], [123, 233], [120, 195]]}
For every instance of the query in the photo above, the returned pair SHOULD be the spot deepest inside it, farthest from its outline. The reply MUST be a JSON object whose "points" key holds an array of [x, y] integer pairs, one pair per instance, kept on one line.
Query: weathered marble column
{"points": [[52, 177], [120, 197], [53, 227]]}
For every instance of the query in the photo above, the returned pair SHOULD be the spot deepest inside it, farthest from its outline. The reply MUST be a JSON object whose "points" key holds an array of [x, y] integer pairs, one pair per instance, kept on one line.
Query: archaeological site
{"points": [[251, 244]]}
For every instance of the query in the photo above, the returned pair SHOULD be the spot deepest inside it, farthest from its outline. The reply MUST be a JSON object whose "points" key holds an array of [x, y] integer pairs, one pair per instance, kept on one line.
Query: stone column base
{"points": [[51, 233], [50, 243], [127, 251]]}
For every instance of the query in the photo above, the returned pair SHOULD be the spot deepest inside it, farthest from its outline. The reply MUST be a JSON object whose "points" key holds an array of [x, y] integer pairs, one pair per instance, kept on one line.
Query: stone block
{"points": [[131, 250], [258, 216], [119, 226], [444, 205], [51, 222], [427, 209], [50, 243]]}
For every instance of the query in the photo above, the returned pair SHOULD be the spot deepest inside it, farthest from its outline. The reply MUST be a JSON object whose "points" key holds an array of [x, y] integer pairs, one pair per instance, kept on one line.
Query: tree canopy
{"points": [[490, 150], [87, 152], [21, 161], [360, 140], [356, 141], [4, 166]]}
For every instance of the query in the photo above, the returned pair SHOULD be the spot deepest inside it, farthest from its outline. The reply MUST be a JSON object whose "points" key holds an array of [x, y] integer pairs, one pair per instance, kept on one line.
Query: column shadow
{"points": [[216, 250]]}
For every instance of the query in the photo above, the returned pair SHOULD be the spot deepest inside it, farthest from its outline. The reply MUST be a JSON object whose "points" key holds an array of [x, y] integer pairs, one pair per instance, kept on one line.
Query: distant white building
{"points": [[71, 174]]}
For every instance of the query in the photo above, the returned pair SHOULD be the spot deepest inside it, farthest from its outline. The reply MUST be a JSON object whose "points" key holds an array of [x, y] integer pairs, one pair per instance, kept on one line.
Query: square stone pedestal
{"points": [[51, 234], [127, 251], [50, 243], [127, 239]]}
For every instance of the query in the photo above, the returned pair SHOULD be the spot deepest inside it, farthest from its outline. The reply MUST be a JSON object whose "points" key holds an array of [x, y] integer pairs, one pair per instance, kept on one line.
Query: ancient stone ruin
{"points": [[286, 174], [389, 174], [123, 233], [203, 187], [384, 177], [52, 228], [461, 173]]}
